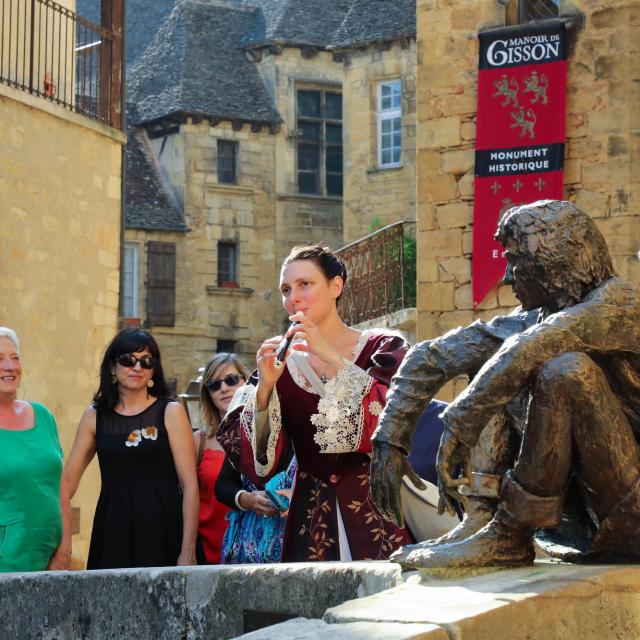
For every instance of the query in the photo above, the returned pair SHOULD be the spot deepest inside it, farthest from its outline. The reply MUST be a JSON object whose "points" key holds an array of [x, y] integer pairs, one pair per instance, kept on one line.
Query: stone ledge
{"points": [[213, 186], [302, 628], [546, 601], [212, 290], [403, 320], [309, 197], [58, 111], [169, 603]]}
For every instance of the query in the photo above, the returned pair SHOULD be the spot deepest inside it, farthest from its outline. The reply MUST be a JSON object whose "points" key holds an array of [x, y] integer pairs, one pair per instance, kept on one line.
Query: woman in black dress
{"points": [[147, 512]]}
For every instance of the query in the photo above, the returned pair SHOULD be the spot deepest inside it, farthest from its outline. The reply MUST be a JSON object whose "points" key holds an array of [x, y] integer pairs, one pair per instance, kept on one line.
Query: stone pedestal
{"points": [[544, 602]]}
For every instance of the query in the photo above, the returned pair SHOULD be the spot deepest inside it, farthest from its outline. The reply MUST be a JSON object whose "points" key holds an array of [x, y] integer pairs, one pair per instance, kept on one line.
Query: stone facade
{"points": [[60, 192], [242, 213], [375, 196], [602, 155]]}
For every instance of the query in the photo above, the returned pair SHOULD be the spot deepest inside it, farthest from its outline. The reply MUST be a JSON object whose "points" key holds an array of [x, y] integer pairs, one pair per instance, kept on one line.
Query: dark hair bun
{"points": [[324, 257]]}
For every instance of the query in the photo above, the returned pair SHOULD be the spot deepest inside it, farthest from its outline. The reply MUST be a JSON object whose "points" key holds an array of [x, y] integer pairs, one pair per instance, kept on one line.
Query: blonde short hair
{"points": [[5, 332]]}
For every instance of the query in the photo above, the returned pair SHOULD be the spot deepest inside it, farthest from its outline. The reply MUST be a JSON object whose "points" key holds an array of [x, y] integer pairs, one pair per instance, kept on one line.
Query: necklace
{"points": [[323, 378]]}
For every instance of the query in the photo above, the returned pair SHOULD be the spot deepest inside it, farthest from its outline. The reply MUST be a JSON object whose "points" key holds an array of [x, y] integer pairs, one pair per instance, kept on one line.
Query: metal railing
{"points": [[381, 270], [56, 54], [537, 10]]}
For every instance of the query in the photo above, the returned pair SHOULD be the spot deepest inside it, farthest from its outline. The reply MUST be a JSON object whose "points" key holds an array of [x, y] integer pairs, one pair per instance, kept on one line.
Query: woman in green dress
{"points": [[30, 469]]}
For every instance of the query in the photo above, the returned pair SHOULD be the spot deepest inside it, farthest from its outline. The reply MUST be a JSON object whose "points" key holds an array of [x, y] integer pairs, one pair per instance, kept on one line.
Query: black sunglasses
{"points": [[130, 361], [231, 381]]}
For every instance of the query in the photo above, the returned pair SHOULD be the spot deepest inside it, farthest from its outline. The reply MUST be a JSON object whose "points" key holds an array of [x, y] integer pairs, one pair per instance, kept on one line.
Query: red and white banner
{"points": [[520, 134]]}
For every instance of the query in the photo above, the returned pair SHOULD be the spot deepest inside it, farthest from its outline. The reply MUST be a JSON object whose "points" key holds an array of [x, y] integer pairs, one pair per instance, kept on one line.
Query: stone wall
{"points": [[602, 166], [189, 603], [376, 196], [60, 233]]}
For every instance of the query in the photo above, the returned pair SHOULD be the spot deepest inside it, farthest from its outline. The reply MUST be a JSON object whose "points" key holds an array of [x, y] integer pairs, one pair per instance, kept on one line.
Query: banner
{"points": [[520, 134]]}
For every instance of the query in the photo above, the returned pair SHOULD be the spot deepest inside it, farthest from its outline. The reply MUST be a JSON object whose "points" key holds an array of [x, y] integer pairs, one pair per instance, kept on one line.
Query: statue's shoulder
{"points": [[615, 291]]}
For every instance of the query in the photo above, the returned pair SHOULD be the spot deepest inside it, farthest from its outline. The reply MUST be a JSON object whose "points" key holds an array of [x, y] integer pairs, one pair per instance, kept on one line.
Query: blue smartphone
{"points": [[281, 503]]}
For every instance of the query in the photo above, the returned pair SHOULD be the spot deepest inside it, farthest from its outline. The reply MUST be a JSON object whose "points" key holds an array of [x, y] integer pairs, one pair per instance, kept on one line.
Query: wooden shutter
{"points": [[161, 284]]}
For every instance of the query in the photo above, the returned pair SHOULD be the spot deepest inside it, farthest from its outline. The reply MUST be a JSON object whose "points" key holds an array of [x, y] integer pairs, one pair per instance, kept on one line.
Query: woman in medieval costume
{"points": [[324, 402]]}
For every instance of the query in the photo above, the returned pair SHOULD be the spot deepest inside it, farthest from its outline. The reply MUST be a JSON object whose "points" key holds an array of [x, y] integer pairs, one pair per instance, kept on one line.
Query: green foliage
{"points": [[375, 224], [410, 272]]}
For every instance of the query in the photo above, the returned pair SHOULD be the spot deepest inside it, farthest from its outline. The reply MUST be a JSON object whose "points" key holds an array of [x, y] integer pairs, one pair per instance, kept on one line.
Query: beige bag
{"points": [[420, 509]]}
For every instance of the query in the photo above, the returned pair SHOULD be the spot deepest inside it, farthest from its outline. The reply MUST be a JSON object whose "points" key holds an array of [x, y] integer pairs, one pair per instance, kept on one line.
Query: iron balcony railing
{"points": [[537, 10], [56, 54], [381, 270]]}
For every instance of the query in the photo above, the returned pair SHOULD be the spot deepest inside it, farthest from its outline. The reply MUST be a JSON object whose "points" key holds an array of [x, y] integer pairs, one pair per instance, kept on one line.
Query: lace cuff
{"points": [[256, 428], [340, 416]]}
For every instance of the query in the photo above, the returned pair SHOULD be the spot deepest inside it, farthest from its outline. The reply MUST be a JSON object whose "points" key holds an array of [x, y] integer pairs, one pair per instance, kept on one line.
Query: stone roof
{"points": [[369, 21], [150, 202], [185, 56], [194, 65], [294, 22], [329, 24]]}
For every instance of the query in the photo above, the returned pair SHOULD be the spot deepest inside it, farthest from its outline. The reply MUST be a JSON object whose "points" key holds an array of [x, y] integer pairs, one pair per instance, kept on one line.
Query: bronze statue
{"points": [[560, 377]]}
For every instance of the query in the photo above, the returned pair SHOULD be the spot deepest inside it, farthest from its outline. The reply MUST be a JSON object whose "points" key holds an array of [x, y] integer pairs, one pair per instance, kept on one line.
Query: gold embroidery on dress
{"points": [[317, 527]]}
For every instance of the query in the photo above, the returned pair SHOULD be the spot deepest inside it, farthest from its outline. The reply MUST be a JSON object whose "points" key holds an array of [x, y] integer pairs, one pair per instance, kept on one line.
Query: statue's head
{"points": [[556, 254]]}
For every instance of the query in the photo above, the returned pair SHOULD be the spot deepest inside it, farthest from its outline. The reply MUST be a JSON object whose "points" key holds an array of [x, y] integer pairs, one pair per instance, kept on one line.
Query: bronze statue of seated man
{"points": [[571, 357]]}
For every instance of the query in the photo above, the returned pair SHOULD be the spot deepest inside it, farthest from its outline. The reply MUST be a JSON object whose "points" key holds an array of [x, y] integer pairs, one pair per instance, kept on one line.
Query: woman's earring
{"points": [[113, 378], [150, 383]]}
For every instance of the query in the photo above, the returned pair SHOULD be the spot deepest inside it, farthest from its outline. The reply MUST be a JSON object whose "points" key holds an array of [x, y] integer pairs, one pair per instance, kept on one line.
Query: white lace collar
{"points": [[303, 374]]}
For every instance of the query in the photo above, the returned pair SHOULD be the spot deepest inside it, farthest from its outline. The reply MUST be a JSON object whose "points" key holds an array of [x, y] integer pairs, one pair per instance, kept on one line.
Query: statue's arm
{"points": [[431, 364], [602, 323]]}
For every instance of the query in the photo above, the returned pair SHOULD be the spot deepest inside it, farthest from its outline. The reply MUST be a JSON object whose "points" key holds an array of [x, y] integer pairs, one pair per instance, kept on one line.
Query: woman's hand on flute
{"points": [[309, 338], [268, 375]]}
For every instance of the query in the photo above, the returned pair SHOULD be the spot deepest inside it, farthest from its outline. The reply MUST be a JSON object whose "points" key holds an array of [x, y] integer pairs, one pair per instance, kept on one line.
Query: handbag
{"points": [[250, 538]]}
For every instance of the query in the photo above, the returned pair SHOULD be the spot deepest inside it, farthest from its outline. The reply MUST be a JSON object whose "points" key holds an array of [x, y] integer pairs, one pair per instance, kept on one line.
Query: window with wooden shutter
{"points": [[161, 284]]}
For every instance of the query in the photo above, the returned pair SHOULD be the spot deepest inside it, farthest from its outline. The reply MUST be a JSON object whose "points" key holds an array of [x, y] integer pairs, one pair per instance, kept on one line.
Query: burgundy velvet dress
{"points": [[332, 515]]}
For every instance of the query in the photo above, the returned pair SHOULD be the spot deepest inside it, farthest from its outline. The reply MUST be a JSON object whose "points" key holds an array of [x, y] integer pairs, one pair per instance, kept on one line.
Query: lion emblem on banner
{"points": [[525, 121], [507, 88], [537, 85]]}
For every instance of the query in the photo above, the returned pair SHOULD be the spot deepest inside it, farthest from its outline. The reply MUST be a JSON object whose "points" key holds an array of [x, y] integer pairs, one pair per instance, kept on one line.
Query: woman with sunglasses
{"points": [[255, 530], [324, 400], [223, 374], [147, 512]]}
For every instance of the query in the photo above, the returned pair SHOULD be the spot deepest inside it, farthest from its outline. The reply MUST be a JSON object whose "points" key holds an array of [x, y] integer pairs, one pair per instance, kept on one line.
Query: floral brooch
{"points": [[136, 436]]}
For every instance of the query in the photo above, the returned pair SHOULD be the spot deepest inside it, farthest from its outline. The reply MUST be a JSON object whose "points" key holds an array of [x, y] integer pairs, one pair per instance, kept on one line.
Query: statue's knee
{"points": [[572, 371]]}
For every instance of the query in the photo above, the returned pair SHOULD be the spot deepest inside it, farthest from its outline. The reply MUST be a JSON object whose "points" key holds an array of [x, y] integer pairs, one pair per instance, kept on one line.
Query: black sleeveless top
{"points": [[138, 519]]}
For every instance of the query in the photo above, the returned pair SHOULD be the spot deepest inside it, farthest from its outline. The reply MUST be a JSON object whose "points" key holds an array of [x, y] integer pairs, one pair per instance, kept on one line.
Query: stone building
{"points": [[60, 212], [254, 126], [602, 154]]}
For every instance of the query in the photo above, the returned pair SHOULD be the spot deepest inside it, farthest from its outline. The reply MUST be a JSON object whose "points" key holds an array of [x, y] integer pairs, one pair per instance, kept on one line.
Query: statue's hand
{"points": [[452, 454], [388, 465]]}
